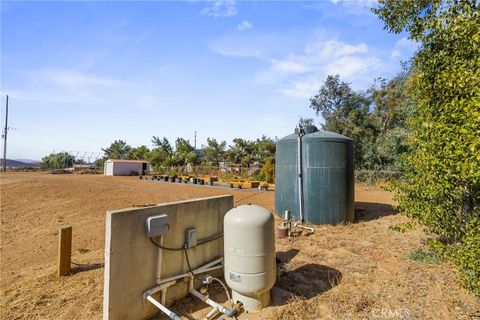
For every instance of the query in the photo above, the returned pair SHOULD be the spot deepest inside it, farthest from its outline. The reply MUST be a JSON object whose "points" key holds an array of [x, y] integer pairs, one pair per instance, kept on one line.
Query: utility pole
{"points": [[5, 139], [195, 140]]}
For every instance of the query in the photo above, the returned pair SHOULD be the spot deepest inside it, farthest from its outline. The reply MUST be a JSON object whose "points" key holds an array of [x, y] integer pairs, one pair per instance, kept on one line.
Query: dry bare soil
{"points": [[355, 271]]}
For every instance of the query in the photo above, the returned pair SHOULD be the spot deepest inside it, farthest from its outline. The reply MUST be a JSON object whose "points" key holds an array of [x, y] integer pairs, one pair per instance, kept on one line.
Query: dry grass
{"points": [[356, 271]]}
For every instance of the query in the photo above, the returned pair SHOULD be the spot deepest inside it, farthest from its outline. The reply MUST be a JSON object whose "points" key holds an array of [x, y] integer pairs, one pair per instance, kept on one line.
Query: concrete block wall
{"points": [[131, 260]]}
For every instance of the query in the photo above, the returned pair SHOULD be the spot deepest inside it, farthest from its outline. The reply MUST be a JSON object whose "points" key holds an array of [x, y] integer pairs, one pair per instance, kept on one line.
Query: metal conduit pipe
{"points": [[297, 225], [300, 133]]}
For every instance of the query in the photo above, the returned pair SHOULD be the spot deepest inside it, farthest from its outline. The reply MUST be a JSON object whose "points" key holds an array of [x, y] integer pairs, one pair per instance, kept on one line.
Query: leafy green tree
{"points": [[347, 112], [139, 153], [117, 150], [80, 161], [184, 153], [391, 107], [241, 152], [375, 120], [163, 144], [214, 152], [99, 163], [264, 150], [162, 153], [307, 122], [441, 185], [58, 160]]}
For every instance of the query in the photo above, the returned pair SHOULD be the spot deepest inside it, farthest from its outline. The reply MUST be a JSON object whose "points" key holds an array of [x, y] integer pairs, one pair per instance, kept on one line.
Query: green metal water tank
{"points": [[327, 174]]}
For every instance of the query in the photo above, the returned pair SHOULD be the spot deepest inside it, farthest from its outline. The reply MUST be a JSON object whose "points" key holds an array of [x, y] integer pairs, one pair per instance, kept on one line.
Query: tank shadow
{"points": [[367, 211], [310, 280], [285, 257]]}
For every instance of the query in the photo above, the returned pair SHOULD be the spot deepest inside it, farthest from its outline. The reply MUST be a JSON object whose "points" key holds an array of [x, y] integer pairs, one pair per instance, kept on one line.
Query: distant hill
{"points": [[18, 164], [30, 161]]}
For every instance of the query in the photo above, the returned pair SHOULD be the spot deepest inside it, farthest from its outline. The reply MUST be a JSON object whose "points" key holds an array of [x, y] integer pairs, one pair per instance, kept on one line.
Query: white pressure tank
{"points": [[250, 266]]}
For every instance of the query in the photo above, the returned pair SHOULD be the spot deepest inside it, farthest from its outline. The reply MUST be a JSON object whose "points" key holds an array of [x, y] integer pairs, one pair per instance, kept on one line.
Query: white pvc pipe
{"points": [[160, 287], [162, 308], [209, 301], [159, 262], [204, 268], [214, 262], [211, 314], [306, 228], [164, 283]]}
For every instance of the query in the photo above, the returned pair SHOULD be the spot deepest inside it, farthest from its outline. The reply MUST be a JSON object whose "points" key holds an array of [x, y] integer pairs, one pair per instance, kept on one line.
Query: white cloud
{"points": [[297, 69], [395, 54], [299, 75], [362, 3], [354, 7], [245, 44], [288, 66], [220, 8], [235, 51], [403, 48], [302, 88], [69, 87], [244, 25]]}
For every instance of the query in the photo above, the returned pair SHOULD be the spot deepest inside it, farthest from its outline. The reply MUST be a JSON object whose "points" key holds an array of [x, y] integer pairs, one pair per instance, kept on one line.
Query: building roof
{"points": [[130, 161]]}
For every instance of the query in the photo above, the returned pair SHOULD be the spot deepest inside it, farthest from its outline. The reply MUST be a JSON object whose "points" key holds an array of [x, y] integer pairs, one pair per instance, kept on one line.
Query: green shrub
{"points": [[441, 182], [467, 256], [425, 256]]}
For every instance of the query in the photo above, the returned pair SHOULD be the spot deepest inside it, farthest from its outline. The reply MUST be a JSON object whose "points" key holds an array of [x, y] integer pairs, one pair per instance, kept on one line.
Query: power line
{"points": [[5, 131]]}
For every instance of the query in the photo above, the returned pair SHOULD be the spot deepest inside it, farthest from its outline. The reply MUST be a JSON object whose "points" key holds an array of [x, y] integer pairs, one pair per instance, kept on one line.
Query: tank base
{"points": [[252, 303]]}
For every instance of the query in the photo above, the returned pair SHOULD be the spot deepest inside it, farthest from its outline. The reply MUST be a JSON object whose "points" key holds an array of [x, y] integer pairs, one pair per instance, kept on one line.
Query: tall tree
{"points": [[139, 153], [307, 122], [241, 152], [58, 160], [162, 153], [214, 152], [347, 112], [117, 150], [163, 144], [184, 153], [264, 150], [391, 107]]}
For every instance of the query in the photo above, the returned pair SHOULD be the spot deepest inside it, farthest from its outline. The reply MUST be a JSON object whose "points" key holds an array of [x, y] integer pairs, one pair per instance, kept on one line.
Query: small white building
{"points": [[119, 167]]}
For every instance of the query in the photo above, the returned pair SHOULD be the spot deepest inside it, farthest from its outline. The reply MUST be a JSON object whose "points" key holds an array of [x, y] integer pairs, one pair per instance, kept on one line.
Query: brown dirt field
{"points": [[355, 271]]}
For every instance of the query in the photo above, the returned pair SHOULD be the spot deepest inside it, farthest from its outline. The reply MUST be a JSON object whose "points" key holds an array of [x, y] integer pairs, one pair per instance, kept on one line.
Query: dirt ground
{"points": [[355, 271]]}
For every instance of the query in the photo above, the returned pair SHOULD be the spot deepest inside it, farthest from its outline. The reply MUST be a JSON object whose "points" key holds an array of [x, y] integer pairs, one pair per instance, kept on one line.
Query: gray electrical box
{"points": [[157, 225], [191, 237]]}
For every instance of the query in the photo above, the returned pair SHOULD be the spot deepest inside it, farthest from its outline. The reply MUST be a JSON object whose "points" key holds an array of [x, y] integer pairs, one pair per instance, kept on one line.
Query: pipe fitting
{"points": [[231, 312]]}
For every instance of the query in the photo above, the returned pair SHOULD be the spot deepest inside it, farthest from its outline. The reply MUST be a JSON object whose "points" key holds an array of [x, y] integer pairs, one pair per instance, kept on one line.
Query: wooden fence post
{"points": [[64, 250]]}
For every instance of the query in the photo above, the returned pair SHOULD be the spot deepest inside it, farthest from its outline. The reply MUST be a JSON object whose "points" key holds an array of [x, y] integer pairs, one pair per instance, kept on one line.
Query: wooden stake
{"points": [[64, 250]]}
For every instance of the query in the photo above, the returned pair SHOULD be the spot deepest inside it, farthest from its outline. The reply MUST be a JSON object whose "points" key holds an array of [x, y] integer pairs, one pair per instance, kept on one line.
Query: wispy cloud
{"points": [[350, 7], [220, 8], [255, 45], [297, 62], [403, 47], [63, 87], [299, 71], [303, 73], [244, 25]]}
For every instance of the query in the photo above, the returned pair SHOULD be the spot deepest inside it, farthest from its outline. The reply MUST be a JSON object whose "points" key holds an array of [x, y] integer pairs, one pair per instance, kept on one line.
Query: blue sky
{"points": [[82, 74]]}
